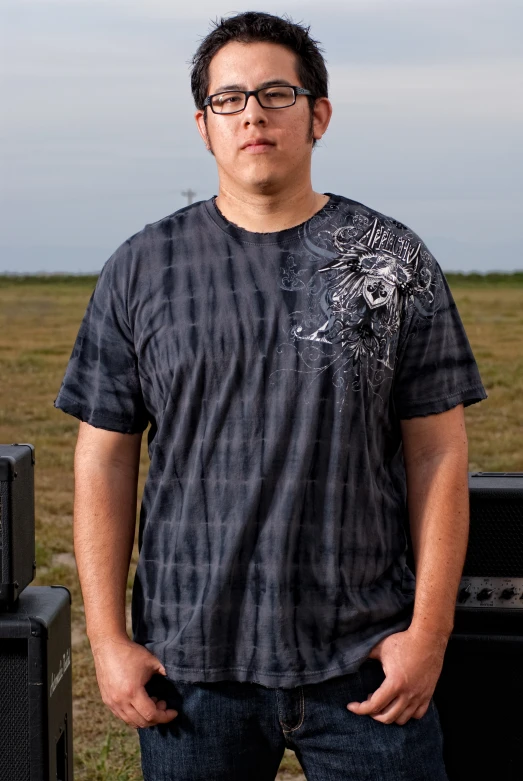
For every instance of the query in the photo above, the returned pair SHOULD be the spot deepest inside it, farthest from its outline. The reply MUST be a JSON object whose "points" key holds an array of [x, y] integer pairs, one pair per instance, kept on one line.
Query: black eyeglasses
{"points": [[234, 101]]}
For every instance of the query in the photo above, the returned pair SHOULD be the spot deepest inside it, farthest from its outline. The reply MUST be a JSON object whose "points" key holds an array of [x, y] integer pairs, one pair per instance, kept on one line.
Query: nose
{"points": [[253, 113]]}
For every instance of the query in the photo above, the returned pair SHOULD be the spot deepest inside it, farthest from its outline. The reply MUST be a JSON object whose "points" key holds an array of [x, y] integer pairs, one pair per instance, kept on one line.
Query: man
{"points": [[302, 364]]}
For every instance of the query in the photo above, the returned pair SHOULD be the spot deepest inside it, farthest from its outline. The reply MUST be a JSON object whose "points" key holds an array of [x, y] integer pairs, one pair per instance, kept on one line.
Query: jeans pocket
{"points": [[165, 689], [371, 675]]}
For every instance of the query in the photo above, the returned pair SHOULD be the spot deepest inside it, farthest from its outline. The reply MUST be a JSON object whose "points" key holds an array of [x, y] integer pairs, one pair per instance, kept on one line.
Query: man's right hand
{"points": [[122, 669]]}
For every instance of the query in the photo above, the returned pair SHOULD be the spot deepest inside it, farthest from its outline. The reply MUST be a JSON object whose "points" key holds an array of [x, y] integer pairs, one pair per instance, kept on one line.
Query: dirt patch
{"points": [[79, 709], [78, 636], [65, 559]]}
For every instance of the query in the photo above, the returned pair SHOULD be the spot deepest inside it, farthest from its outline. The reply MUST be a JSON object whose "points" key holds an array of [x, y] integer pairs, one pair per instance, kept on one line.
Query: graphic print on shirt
{"points": [[371, 269]]}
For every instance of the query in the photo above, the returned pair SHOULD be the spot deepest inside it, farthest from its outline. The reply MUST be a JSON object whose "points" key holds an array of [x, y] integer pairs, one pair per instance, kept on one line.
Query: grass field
{"points": [[39, 319]]}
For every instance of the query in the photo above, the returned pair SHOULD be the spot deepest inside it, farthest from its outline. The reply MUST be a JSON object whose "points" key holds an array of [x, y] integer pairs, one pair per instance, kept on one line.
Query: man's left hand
{"points": [[412, 662]]}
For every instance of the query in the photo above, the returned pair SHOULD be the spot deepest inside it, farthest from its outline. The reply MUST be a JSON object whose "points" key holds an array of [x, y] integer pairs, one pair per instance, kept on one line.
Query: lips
{"points": [[254, 142]]}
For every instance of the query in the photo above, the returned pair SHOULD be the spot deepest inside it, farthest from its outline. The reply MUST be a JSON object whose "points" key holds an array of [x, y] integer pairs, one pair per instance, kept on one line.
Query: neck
{"points": [[266, 213]]}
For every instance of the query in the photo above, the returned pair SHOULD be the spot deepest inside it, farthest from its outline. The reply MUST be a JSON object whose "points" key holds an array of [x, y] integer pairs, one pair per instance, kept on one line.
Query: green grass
{"points": [[489, 281], [455, 279], [82, 281], [39, 320]]}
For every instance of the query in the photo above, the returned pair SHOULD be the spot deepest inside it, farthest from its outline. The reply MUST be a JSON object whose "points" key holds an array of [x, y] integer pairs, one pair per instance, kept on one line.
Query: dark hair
{"points": [[254, 27]]}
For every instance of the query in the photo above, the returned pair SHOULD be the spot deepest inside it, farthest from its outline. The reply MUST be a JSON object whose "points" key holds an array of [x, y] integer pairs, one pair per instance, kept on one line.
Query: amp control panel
{"points": [[499, 593]]}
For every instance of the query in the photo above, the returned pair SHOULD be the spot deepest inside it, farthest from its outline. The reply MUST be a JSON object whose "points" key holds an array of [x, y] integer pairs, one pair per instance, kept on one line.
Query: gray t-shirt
{"points": [[274, 369]]}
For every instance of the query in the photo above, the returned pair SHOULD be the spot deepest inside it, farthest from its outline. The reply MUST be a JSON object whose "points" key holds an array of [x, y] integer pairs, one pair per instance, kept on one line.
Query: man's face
{"points": [[261, 167]]}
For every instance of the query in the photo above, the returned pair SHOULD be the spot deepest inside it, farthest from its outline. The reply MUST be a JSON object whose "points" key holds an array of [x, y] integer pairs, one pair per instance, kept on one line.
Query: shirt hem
{"points": [[242, 675], [284, 680], [68, 405], [467, 396]]}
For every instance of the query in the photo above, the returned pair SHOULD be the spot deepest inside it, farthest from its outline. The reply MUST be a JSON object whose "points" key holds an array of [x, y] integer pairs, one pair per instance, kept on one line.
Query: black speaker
{"points": [[479, 698], [17, 521], [479, 695], [36, 703]]}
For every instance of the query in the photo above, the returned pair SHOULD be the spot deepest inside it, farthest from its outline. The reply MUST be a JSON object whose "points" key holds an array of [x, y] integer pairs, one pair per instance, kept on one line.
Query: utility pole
{"points": [[189, 194]]}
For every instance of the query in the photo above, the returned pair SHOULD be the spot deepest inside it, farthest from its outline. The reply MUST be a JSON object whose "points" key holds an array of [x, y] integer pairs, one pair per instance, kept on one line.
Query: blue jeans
{"points": [[235, 731]]}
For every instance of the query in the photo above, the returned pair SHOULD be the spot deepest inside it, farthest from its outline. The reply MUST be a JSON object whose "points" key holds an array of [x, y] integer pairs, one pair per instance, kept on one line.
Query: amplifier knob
{"points": [[508, 593], [464, 594], [485, 594]]}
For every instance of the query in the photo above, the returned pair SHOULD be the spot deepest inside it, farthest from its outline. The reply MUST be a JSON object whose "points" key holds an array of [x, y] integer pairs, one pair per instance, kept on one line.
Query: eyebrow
{"points": [[263, 85]]}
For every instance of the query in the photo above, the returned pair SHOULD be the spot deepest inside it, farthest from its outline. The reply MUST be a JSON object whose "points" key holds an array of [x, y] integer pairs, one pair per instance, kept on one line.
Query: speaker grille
{"points": [[496, 534], [14, 711]]}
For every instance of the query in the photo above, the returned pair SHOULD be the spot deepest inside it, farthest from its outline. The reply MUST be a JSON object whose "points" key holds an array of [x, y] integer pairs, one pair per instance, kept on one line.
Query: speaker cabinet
{"points": [[480, 698], [36, 703]]}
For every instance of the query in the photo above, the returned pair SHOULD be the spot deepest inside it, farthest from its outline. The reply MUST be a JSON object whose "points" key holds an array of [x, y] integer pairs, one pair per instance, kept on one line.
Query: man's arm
{"points": [[436, 463], [106, 475]]}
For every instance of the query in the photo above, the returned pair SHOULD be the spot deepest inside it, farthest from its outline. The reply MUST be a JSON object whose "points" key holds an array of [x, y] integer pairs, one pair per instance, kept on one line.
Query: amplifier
{"points": [[17, 521], [36, 687], [479, 694], [493, 572]]}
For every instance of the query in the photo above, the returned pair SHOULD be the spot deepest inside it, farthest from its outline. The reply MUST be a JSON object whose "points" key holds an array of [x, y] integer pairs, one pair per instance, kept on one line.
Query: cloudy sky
{"points": [[97, 136]]}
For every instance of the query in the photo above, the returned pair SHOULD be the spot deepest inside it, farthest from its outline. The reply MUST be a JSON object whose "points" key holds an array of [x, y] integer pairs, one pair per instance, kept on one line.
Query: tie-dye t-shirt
{"points": [[273, 370]]}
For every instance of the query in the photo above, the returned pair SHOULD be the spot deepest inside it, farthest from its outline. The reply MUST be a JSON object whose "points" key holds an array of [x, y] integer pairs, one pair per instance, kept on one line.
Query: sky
{"points": [[97, 132]]}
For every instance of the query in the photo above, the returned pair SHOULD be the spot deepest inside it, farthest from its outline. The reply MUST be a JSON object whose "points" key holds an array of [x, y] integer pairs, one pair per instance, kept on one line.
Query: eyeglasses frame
{"points": [[248, 93]]}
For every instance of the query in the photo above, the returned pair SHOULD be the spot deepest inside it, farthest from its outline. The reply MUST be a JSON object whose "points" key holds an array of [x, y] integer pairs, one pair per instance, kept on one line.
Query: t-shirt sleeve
{"points": [[435, 369], [101, 385]]}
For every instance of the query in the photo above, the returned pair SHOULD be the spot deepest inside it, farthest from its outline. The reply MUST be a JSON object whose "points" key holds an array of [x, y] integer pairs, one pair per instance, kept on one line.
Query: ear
{"points": [[202, 128], [321, 116]]}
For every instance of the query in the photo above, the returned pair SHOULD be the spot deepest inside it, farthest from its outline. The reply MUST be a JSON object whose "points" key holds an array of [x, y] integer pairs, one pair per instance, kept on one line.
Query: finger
{"points": [[407, 714], [379, 700], [128, 716], [149, 711], [160, 704], [145, 705], [401, 711], [375, 653], [393, 711], [421, 711], [164, 716], [136, 718]]}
